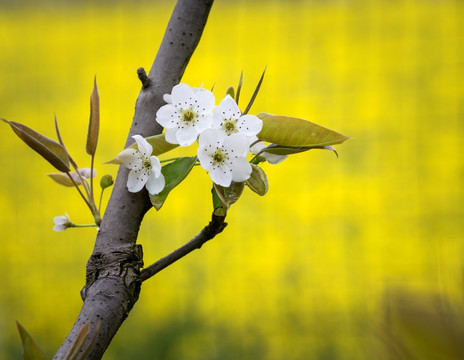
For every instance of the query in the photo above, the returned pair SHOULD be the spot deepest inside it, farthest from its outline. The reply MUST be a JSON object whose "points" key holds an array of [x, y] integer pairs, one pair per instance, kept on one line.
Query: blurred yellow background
{"points": [[359, 257]]}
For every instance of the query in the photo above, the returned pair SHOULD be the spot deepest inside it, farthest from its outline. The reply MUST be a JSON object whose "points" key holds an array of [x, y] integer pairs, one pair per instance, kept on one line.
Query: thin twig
{"points": [[146, 82], [215, 226]]}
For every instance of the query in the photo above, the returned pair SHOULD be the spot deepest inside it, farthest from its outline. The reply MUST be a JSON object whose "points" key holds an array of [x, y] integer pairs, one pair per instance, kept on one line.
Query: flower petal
{"points": [[237, 144], [144, 147], [136, 180], [205, 100], [229, 108], [204, 156], [211, 137], [130, 158], [181, 93], [155, 165], [241, 169], [155, 184], [167, 98], [170, 135], [186, 136], [167, 116], [250, 125], [221, 176]]}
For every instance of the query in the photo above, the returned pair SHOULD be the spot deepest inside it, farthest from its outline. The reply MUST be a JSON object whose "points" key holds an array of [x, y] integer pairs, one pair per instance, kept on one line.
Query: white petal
{"points": [[59, 227], [167, 116], [273, 158], [85, 172], [205, 102], [213, 137], [204, 157], [237, 144], [130, 158], [155, 165], [170, 135], [181, 93], [205, 121], [229, 108], [249, 125], [136, 180], [167, 98], [221, 176], [155, 184], [144, 147], [60, 220], [241, 169], [186, 136]]}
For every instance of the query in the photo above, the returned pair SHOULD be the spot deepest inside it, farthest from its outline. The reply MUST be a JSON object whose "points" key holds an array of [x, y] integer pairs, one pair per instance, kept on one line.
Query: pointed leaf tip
{"points": [[295, 132], [30, 349], [94, 121], [49, 149]]}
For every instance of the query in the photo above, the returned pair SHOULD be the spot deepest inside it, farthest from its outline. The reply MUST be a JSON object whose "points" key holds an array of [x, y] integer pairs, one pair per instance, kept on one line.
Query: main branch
{"points": [[113, 271]]}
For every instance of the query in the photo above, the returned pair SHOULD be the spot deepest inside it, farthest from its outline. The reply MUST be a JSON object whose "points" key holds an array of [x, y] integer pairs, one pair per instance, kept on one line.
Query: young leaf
{"points": [[231, 194], [58, 134], [294, 132], [174, 173], [239, 88], [220, 209], [61, 179], [94, 121], [30, 349], [289, 150], [78, 342], [230, 91], [258, 180], [253, 97], [49, 149]]}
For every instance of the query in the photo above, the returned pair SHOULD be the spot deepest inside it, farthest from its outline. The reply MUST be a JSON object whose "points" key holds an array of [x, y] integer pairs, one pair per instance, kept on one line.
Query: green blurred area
{"points": [[359, 257]]}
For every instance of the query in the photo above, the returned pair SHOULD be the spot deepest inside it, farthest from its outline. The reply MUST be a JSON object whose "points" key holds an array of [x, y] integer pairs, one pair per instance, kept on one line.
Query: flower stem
{"points": [[82, 225]]}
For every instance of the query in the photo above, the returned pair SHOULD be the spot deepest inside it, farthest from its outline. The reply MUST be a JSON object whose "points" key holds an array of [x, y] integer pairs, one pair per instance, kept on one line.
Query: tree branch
{"points": [[215, 226], [113, 271]]}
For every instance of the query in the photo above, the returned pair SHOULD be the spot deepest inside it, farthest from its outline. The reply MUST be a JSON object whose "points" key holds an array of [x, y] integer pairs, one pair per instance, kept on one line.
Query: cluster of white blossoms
{"points": [[224, 137]]}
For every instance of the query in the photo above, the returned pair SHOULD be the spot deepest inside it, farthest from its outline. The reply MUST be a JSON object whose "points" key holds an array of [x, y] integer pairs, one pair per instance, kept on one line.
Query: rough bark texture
{"points": [[113, 271]]}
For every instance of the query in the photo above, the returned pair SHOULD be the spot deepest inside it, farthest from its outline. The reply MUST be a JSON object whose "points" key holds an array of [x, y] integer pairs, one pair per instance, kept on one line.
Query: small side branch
{"points": [[146, 82], [215, 226]]}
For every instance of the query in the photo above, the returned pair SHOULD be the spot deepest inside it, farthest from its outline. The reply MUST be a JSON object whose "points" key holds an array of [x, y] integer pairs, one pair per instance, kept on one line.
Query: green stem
{"points": [[81, 225], [100, 202]]}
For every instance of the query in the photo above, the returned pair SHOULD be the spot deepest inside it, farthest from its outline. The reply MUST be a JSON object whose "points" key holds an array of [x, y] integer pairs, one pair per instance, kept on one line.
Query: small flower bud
{"points": [[106, 181]]}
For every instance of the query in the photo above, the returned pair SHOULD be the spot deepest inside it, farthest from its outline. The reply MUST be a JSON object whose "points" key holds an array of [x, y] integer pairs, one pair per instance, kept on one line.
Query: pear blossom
{"points": [[258, 146], [224, 157], [229, 119], [61, 222], [187, 113], [145, 170]]}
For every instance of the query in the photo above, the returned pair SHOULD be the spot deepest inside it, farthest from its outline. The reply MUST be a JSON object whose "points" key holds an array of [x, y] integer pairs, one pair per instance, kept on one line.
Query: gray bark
{"points": [[113, 270]]}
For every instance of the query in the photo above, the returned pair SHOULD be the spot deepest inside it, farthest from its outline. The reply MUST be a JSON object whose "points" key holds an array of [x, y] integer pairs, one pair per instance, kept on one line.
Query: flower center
{"points": [[218, 157], [188, 116], [146, 163], [230, 126]]}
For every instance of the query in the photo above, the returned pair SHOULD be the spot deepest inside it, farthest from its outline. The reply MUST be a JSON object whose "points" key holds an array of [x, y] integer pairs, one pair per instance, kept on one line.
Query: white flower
{"points": [[224, 157], [271, 158], [187, 114], [228, 117], [85, 173], [145, 169], [61, 222]]}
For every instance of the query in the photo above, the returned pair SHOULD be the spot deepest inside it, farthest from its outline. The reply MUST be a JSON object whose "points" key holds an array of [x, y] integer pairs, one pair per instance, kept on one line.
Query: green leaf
{"points": [[220, 209], [94, 121], [49, 149], [30, 349], [289, 150], [294, 132], [159, 143], [239, 88], [255, 93], [79, 342], [258, 180], [230, 91], [174, 173], [58, 134], [231, 194], [61, 179]]}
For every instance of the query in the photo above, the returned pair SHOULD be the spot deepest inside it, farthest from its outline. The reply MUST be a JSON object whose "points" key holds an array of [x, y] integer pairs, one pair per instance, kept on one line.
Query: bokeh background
{"points": [[359, 257]]}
